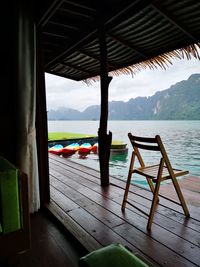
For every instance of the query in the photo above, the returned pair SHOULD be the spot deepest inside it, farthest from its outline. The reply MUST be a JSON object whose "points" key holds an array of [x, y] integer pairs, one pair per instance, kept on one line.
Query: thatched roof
{"points": [[139, 34]]}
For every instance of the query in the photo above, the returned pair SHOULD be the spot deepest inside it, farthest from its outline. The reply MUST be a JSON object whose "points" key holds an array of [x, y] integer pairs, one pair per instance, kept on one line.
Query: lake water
{"points": [[181, 139]]}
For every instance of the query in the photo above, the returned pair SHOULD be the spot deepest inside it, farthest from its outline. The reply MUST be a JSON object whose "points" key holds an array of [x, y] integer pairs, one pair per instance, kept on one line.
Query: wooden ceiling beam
{"points": [[128, 45], [75, 67], [50, 12], [63, 53], [76, 13], [52, 34], [118, 13], [79, 5], [172, 20], [57, 23], [123, 13], [63, 76], [89, 54]]}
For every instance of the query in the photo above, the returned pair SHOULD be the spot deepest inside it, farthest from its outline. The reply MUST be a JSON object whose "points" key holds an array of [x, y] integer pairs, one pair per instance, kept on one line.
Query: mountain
{"points": [[64, 114], [179, 102]]}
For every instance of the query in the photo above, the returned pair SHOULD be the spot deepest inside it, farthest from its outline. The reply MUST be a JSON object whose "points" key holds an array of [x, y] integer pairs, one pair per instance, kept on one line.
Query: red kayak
{"points": [[57, 149], [85, 148], [70, 149], [95, 148]]}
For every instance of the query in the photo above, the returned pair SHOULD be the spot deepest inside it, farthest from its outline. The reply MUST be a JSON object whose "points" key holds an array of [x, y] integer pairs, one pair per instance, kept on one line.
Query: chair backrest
{"points": [[148, 143], [144, 142]]}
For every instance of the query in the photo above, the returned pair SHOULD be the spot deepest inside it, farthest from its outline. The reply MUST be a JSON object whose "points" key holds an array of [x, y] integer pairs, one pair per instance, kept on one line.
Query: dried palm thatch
{"points": [[162, 61]]}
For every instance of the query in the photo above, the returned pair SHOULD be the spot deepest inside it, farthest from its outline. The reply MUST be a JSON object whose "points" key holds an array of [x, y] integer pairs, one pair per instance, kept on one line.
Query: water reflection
{"points": [[118, 156]]}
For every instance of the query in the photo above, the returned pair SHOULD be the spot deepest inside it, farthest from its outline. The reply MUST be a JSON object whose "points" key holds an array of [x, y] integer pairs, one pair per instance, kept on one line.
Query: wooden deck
{"points": [[51, 246], [93, 215]]}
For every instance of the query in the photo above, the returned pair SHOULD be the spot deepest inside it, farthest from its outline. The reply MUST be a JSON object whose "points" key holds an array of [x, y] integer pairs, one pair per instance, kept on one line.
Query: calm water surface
{"points": [[181, 139]]}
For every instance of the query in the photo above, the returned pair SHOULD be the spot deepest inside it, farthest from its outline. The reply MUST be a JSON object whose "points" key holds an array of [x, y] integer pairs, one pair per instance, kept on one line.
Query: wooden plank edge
{"points": [[74, 228]]}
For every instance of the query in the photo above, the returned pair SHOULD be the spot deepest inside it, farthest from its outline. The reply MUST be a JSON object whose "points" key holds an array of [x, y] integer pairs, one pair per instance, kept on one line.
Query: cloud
{"points": [[63, 92]]}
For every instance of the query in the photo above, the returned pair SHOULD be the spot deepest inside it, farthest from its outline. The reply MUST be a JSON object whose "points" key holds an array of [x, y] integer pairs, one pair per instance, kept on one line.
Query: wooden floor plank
{"points": [[96, 213], [87, 235], [67, 203], [169, 224], [81, 181], [168, 238], [179, 217], [84, 202], [193, 200], [51, 246], [77, 169], [164, 211], [106, 235], [75, 229], [162, 254]]}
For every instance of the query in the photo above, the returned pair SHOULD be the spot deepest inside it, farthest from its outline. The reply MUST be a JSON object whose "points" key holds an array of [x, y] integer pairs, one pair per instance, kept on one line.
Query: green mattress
{"points": [[9, 197], [114, 255]]}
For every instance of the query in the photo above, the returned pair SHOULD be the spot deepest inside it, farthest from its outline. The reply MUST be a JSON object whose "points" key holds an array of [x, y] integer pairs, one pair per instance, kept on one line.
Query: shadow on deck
{"points": [[93, 215]]}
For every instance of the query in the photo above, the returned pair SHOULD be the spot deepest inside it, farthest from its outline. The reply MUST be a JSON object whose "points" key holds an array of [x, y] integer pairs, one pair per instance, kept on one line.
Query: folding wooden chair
{"points": [[153, 173]]}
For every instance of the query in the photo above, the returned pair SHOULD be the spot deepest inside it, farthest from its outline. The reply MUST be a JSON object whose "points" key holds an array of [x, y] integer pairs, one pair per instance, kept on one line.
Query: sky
{"points": [[61, 92]]}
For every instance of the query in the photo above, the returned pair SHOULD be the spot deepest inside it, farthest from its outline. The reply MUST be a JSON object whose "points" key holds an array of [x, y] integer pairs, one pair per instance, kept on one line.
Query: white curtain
{"points": [[26, 104]]}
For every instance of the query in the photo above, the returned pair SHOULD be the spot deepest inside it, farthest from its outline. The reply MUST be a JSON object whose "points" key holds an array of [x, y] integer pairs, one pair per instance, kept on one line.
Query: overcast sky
{"points": [[62, 92]]}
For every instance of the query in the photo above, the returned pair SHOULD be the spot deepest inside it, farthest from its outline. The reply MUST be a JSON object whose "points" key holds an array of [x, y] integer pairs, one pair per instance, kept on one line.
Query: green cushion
{"points": [[114, 255], [9, 197]]}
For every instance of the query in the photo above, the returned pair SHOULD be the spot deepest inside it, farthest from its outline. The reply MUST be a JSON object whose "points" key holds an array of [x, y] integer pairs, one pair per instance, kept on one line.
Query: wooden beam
{"points": [[134, 49], [127, 9], [41, 127], [56, 34], [63, 76], [118, 13], [50, 12], [89, 54], [77, 68], [170, 18], [58, 24], [77, 44], [104, 138], [83, 5]]}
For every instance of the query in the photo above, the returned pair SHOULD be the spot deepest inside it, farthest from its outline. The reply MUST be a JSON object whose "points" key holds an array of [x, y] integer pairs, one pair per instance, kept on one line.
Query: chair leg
{"points": [[128, 181], [150, 184], [181, 198], [155, 195], [126, 190], [153, 205]]}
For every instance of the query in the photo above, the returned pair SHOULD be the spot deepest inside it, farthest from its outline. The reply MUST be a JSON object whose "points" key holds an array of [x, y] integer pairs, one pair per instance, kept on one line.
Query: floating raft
{"points": [[118, 147], [67, 138]]}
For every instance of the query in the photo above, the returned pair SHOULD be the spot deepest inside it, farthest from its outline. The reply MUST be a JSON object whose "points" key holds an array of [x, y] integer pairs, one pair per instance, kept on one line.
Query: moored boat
{"points": [[85, 148], [119, 150], [118, 147], [57, 149], [70, 149], [95, 148]]}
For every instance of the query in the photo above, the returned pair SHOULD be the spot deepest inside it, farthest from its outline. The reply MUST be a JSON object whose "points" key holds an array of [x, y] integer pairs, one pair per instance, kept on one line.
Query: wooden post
{"points": [[104, 138], [41, 127]]}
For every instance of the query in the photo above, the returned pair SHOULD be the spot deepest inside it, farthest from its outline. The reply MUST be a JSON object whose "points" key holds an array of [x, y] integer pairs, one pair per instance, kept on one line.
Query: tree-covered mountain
{"points": [[180, 102]]}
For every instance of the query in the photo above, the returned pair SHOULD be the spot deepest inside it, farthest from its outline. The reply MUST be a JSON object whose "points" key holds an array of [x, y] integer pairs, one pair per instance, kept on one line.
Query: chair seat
{"points": [[152, 172]]}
